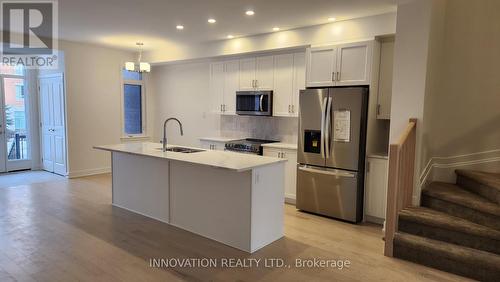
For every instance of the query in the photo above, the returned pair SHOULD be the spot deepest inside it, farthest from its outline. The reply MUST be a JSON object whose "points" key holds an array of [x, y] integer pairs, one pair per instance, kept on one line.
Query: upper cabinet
{"points": [[257, 73], [264, 74], [385, 78], [247, 74], [224, 82], [289, 79], [321, 66], [340, 65]]}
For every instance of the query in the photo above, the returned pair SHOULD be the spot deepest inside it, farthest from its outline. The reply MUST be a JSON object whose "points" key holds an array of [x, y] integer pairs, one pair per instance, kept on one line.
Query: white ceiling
{"points": [[120, 23]]}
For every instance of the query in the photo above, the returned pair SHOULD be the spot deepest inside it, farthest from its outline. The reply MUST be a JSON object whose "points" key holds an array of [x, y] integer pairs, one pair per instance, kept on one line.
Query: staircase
{"points": [[457, 228]]}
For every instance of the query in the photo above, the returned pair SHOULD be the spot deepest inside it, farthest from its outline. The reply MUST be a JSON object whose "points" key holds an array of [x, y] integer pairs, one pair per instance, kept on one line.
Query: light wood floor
{"points": [[66, 230]]}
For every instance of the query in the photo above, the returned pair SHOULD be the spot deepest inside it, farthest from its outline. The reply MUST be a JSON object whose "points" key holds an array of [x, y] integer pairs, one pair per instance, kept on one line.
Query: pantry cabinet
{"points": [[340, 65], [385, 79], [376, 188], [224, 82], [290, 169], [257, 73]]}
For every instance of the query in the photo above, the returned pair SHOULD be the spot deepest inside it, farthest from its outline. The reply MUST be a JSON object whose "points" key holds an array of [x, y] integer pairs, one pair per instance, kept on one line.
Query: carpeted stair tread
{"points": [[486, 178], [453, 193], [426, 216], [485, 184], [453, 258]]}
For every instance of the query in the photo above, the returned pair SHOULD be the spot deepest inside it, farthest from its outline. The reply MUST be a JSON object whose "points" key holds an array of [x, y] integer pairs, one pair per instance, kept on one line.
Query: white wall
{"points": [[417, 22], [93, 92], [462, 109], [349, 30], [181, 91]]}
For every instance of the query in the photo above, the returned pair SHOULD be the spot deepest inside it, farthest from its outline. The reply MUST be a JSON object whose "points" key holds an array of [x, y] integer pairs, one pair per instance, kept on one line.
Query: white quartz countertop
{"points": [[281, 145], [228, 160], [219, 139]]}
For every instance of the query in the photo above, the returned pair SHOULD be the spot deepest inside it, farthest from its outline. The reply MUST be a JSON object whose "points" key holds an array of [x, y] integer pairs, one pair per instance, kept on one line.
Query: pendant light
{"points": [[143, 66]]}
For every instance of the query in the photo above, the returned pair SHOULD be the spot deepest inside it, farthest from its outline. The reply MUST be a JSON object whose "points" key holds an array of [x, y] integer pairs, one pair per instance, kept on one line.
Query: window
{"points": [[20, 120], [19, 92], [133, 104]]}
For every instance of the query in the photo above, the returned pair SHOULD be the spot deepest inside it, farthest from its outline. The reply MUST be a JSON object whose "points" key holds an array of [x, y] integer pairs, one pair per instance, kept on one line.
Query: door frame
{"points": [[24, 164], [65, 117]]}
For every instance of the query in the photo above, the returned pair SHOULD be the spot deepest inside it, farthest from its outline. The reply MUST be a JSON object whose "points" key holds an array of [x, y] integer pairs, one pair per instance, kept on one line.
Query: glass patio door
{"points": [[14, 140]]}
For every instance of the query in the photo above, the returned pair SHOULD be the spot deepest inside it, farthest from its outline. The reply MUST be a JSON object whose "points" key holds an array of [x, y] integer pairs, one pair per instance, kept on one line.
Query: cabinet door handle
{"points": [[256, 84], [333, 76], [378, 109], [224, 107], [289, 111], [293, 108], [338, 76], [283, 155]]}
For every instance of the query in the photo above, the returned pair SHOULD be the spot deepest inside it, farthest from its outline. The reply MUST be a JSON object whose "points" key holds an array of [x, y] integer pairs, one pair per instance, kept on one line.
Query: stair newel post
{"points": [[400, 181]]}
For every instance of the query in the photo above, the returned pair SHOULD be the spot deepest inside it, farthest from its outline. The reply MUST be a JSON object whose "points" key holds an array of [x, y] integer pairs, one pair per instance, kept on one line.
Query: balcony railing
{"points": [[17, 147]]}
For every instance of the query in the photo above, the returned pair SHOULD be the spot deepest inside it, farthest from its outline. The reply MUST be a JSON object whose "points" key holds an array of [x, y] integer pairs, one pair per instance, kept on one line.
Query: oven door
{"points": [[254, 103]]}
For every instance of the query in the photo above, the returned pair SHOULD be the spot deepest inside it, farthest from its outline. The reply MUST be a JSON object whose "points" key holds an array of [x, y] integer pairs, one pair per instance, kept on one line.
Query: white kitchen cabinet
{"points": [[212, 145], [340, 65], [321, 66], [385, 79], [283, 85], [290, 170], [216, 87], [247, 74], [376, 188], [299, 79], [264, 74], [231, 85], [257, 73], [289, 79], [354, 61], [224, 82]]}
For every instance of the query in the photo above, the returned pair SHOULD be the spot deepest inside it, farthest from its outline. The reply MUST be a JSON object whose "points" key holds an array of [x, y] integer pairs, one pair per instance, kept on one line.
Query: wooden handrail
{"points": [[400, 183]]}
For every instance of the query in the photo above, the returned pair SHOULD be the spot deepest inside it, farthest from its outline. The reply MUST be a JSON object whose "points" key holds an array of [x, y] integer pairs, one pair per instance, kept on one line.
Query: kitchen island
{"points": [[233, 198]]}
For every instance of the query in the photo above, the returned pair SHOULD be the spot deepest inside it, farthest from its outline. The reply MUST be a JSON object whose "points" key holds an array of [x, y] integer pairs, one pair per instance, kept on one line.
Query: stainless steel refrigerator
{"points": [[331, 151]]}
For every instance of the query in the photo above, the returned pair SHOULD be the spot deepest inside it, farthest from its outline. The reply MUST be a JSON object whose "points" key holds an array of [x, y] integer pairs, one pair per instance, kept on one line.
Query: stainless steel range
{"points": [[248, 146]]}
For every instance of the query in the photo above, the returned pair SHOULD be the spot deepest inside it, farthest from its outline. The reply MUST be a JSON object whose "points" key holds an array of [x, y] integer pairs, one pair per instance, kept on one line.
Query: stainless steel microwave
{"points": [[254, 103]]}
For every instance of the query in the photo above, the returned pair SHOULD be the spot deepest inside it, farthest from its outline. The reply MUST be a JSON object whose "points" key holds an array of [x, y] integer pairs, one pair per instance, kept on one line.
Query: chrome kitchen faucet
{"points": [[165, 131]]}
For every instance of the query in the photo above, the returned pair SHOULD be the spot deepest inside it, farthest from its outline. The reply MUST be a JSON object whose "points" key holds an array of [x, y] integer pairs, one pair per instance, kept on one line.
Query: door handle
{"points": [[327, 172], [260, 103], [256, 84], [328, 118], [323, 107], [338, 76], [333, 76]]}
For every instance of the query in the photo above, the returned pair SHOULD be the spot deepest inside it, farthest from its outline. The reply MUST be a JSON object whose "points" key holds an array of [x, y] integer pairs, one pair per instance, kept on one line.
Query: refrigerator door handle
{"points": [[327, 172], [323, 107], [328, 117]]}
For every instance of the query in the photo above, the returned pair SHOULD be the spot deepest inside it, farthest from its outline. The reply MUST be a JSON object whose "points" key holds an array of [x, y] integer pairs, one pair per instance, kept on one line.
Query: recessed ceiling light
{"points": [[230, 36], [250, 13], [332, 19], [180, 27], [212, 20], [276, 28]]}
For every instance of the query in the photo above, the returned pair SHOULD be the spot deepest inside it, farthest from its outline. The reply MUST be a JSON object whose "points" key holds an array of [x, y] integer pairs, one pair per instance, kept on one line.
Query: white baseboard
{"points": [[290, 199], [443, 168], [88, 172]]}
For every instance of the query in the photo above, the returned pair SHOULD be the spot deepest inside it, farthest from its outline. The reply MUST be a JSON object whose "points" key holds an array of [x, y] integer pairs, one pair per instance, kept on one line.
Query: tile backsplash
{"points": [[283, 129]]}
